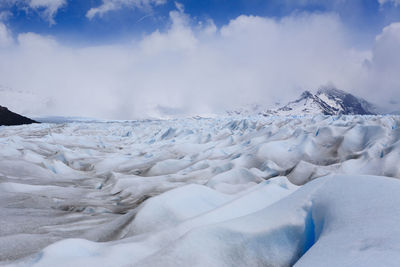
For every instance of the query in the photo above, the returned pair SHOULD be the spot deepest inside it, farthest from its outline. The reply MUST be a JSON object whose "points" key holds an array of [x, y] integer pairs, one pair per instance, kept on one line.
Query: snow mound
{"points": [[338, 220]]}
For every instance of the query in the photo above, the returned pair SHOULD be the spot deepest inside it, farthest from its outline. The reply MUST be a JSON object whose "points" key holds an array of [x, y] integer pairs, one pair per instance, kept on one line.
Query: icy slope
{"points": [[174, 191], [335, 221], [332, 221]]}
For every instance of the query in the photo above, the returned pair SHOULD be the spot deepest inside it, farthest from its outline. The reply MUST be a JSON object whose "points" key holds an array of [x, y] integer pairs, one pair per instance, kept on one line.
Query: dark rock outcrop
{"points": [[8, 118]]}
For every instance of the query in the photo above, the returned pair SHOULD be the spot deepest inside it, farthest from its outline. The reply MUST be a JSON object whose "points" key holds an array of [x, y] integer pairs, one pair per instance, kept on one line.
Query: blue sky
{"points": [[365, 17], [126, 59]]}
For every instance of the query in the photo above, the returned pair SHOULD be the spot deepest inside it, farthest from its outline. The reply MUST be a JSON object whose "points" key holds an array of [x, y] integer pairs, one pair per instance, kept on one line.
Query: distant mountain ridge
{"points": [[9, 118], [326, 101]]}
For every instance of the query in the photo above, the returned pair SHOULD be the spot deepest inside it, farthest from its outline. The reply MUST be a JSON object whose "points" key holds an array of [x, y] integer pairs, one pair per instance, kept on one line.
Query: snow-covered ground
{"points": [[202, 192]]}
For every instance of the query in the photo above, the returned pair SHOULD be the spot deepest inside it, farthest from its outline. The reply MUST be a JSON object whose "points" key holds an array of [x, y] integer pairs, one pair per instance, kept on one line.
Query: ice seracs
{"points": [[339, 220], [227, 191]]}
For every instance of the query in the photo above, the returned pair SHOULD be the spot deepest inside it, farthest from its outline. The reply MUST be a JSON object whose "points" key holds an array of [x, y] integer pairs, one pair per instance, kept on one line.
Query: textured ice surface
{"points": [[218, 192]]}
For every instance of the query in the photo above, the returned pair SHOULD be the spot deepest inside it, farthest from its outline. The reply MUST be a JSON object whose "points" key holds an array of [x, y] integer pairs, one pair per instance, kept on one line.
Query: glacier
{"points": [[225, 191]]}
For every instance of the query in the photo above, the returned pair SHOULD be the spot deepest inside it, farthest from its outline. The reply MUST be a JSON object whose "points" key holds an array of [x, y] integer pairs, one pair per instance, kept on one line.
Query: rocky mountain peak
{"points": [[326, 101]]}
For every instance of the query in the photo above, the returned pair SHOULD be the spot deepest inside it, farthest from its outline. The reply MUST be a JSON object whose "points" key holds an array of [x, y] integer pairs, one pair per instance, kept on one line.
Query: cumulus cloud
{"points": [[381, 79], [197, 68], [5, 36], [387, 47], [112, 5]]}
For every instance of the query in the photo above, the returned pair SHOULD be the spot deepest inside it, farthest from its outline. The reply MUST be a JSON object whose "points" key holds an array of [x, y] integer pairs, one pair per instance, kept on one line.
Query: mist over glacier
{"points": [[194, 67]]}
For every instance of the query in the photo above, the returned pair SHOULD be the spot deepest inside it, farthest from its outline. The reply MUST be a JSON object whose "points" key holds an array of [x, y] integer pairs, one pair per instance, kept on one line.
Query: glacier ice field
{"points": [[225, 191]]}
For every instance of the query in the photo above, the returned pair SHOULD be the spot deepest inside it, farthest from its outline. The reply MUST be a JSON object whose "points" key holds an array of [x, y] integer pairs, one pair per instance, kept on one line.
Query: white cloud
{"points": [[45, 8], [50, 7], [5, 36], [394, 2], [32, 41], [387, 48], [5, 15], [331, 3], [112, 5], [197, 69], [381, 79]]}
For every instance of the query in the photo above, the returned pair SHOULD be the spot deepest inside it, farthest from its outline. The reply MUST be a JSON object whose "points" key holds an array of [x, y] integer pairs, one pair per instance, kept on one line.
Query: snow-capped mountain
{"points": [[326, 101], [345, 103], [306, 104]]}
